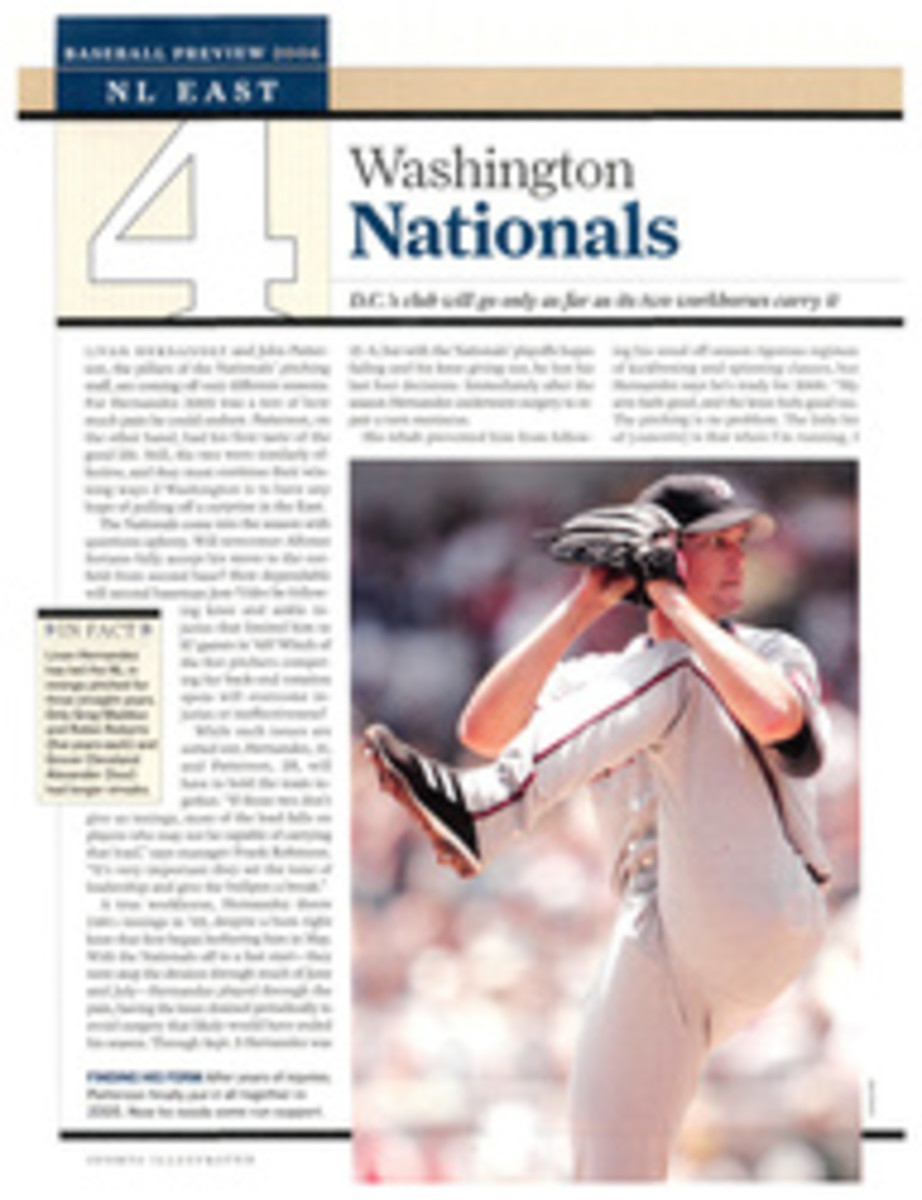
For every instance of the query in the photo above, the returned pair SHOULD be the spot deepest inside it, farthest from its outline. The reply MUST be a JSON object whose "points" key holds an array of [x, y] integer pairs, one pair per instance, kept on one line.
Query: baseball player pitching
{"points": [[699, 741]]}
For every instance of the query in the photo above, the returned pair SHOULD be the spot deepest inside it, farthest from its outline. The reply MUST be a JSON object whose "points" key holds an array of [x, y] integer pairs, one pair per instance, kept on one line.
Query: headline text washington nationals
{"points": [[397, 229]]}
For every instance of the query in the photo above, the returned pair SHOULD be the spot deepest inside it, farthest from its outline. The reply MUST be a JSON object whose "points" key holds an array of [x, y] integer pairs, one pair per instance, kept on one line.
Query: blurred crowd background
{"points": [[467, 995]]}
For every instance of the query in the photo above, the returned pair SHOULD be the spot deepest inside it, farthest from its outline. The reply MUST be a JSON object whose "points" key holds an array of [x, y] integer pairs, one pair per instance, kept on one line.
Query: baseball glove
{"points": [[639, 541]]}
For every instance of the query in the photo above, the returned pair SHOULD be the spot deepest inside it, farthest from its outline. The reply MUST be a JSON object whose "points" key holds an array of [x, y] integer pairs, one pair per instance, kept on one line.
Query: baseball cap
{"points": [[705, 503]]}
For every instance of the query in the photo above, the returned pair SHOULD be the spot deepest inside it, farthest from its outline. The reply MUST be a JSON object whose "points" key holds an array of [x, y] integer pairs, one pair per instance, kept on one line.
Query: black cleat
{"points": [[431, 793]]}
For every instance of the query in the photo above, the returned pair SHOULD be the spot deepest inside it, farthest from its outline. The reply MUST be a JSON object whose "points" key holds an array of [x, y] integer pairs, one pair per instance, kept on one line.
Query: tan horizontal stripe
{"points": [[36, 90], [601, 89], [823, 89]]}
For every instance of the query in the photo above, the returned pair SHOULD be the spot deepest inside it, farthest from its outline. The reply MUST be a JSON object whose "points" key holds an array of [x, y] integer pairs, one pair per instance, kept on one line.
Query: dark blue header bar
{"points": [[192, 65]]}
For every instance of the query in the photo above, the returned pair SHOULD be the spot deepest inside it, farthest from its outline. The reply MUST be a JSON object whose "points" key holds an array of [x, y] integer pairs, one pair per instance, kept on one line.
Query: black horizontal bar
{"points": [[203, 1135], [176, 323], [486, 114], [98, 614]]}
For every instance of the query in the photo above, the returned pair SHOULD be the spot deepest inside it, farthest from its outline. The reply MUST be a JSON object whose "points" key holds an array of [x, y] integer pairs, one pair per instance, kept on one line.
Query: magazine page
{"points": [[450, 653]]}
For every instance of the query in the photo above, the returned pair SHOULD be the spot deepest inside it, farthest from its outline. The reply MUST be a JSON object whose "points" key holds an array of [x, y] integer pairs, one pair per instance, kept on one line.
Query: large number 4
{"points": [[226, 252]]}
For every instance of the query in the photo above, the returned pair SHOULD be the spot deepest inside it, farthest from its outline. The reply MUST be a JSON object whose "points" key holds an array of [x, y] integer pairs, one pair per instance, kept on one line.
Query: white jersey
{"points": [[626, 797], [718, 831]]}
